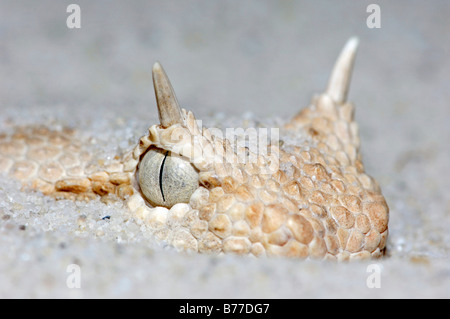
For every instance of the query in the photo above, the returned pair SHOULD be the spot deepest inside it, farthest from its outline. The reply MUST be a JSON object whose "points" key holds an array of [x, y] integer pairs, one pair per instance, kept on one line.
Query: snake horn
{"points": [[339, 82], [168, 107]]}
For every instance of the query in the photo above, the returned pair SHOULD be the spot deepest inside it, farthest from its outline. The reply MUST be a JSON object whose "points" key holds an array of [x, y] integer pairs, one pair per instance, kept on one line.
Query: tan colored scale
{"points": [[308, 200], [55, 163]]}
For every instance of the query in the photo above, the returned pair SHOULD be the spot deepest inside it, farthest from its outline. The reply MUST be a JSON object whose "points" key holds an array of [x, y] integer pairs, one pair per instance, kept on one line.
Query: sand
{"points": [[231, 63]]}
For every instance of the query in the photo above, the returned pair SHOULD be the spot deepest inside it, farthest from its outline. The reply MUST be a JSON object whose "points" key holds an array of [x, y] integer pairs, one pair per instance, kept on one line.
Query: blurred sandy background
{"points": [[262, 58]]}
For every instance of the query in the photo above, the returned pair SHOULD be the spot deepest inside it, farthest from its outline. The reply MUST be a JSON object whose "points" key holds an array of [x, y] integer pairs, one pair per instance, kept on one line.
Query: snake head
{"points": [[201, 191]]}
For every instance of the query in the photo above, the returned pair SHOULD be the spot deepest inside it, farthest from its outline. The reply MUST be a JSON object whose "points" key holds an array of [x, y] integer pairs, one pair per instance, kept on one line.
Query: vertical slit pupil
{"points": [[161, 169]]}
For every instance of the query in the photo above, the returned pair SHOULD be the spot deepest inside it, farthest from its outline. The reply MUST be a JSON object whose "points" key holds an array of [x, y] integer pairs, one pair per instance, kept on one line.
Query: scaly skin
{"points": [[307, 197]]}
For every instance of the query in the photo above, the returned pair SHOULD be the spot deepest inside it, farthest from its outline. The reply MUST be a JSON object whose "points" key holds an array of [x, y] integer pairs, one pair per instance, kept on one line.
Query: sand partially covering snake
{"points": [[303, 194]]}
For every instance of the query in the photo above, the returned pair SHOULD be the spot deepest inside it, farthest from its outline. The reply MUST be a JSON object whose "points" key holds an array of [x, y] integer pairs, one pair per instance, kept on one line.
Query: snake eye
{"points": [[166, 178]]}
